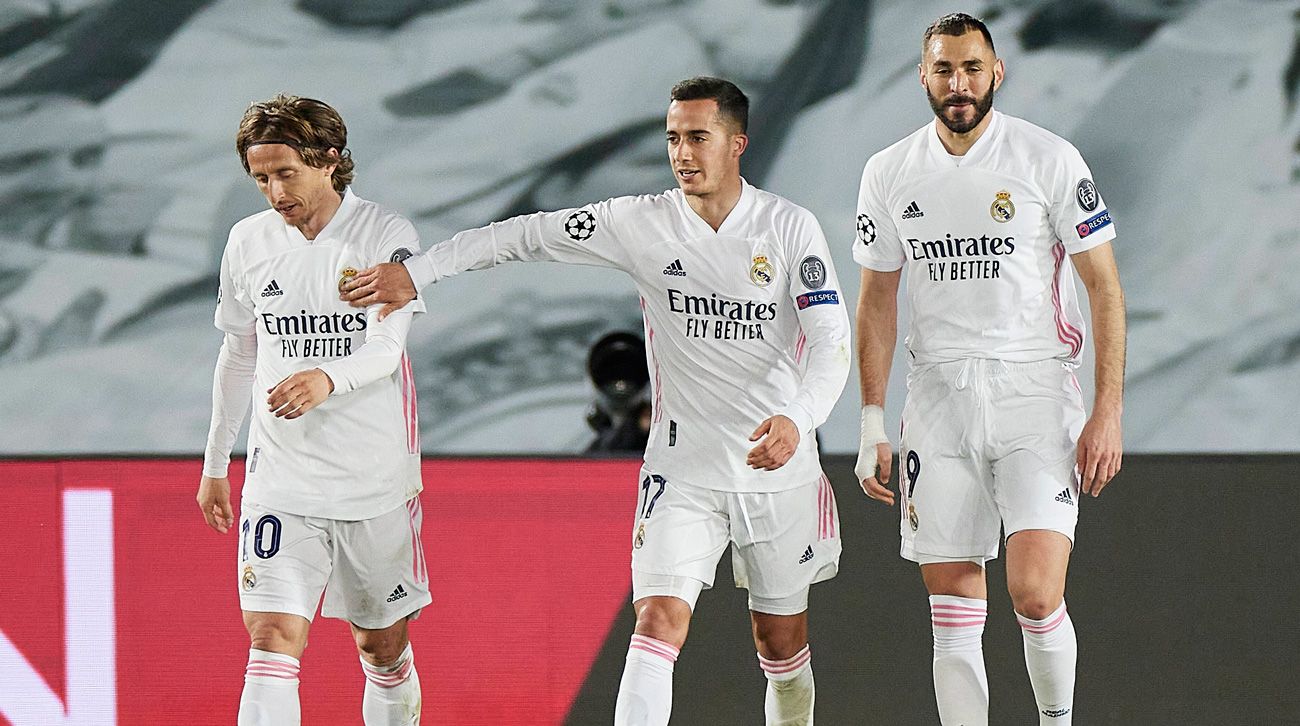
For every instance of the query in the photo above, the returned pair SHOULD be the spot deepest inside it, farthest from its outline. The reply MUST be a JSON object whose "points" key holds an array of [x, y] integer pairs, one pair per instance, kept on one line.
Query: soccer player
{"points": [[331, 496], [747, 346], [988, 214]]}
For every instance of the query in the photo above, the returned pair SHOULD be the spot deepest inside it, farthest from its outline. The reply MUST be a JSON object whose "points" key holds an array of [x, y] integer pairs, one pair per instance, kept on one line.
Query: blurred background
{"points": [[119, 183]]}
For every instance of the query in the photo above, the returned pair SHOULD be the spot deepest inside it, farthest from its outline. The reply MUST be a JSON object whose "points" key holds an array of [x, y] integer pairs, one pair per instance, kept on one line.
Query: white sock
{"points": [[790, 689], [270, 695], [392, 696], [1050, 654], [961, 687], [645, 695]]}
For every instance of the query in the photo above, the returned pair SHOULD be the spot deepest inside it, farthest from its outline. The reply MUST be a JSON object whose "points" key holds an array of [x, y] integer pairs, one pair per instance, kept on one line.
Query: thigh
{"points": [[944, 480], [379, 572], [1037, 423], [784, 542], [679, 530], [284, 561]]}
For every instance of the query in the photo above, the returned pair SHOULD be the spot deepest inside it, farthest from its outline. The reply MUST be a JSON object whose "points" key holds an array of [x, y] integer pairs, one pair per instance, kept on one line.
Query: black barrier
{"points": [[1182, 589]]}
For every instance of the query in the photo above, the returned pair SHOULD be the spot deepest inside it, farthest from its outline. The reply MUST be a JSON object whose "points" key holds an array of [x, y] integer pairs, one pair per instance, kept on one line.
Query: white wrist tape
{"points": [[873, 426]]}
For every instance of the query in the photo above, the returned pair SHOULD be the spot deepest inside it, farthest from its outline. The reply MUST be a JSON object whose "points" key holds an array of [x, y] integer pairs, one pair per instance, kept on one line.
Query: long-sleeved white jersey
{"points": [[357, 454], [985, 238], [740, 324]]}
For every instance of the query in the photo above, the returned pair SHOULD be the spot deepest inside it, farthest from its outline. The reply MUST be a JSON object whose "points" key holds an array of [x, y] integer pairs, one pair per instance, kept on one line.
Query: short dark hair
{"points": [[309, 126], [733, 104], [957, 24]]}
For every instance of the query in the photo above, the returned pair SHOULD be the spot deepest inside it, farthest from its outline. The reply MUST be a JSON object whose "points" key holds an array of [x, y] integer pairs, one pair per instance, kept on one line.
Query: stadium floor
{"points": [[1183, 613]]}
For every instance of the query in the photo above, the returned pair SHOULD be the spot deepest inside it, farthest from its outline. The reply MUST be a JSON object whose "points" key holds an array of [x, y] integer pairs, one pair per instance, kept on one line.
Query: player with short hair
{"points": [[331, 494], [988, 214], [747, 341]]}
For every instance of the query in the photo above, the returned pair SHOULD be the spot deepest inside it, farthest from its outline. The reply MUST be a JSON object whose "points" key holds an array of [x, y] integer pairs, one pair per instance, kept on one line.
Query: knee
{"points": [[1036, 605], [663, 618], [380, 651], [380, 648], [274, 636], [779, 644], [780, 638]]}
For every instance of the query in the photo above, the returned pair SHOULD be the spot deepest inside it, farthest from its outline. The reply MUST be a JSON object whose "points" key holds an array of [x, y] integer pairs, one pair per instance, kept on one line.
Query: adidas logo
{"points": [[675, 269], [398, 594], [912, 211], [1065, 498], [272, 290], [807, 555]]}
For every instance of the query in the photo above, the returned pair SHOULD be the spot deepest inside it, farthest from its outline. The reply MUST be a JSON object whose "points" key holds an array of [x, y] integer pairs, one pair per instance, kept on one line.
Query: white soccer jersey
{"points": [[741, 324], [987, 238], [356, 455]]}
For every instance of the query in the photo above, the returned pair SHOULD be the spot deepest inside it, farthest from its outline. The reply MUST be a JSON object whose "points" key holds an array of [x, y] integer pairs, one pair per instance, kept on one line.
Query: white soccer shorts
{"points": [[372, 571], [987, 446], [782, 542]]}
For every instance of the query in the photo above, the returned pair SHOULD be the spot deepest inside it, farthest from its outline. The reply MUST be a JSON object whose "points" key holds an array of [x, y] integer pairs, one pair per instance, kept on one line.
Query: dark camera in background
{"points": [[620, 412]]}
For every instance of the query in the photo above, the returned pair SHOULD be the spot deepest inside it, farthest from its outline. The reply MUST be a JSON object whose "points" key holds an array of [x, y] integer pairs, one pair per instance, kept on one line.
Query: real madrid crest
{"points": [[248, 580], [640, 537], [911, 516], [761, 272], [346, 276], [1002, 209]]}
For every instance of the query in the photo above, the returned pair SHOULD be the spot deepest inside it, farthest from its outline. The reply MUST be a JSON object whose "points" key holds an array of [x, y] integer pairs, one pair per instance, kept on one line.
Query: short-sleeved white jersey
{"points": [[356, 455], [986, 239], [741, 324]]}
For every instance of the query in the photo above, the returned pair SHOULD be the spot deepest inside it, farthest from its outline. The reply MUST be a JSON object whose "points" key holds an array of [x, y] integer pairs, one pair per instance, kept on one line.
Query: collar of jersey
{"points": [[341, 214], [734, 217], [977, 152]]}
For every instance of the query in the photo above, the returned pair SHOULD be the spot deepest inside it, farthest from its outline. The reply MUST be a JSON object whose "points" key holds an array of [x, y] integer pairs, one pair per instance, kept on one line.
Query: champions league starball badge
{"points": [[249, 580], [761, 272], [580, 225], [346, 276], [1002, 209]]}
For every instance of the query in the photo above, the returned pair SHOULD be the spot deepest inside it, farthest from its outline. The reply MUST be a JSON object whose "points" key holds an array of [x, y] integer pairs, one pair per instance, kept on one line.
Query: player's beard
{"points": [[982, 105]]}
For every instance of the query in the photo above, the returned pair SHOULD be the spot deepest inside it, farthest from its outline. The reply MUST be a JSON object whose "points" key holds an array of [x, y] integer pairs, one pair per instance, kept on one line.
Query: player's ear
{"points": [[332, 159], [739, 142], [920, 72], [999, 72]]}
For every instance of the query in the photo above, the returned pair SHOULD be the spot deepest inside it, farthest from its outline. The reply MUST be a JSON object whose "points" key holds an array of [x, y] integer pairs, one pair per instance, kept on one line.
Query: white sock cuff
{"points": [[642, 644], [271, 667], [1047, 625], [950, 611], [394, 674], [788, 668]]}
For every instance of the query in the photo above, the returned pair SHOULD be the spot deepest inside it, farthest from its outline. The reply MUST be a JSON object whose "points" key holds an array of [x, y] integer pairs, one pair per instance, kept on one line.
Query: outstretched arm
{"points": [[583, 236]]}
